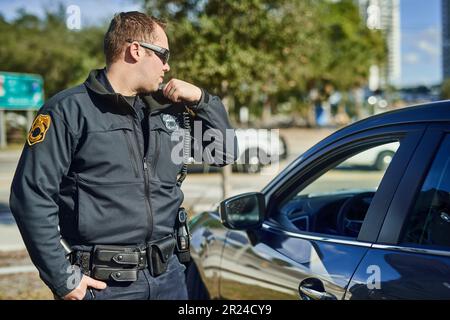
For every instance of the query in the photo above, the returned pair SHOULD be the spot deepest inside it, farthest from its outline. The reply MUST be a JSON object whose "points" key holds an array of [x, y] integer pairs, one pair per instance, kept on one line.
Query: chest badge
{"points": [[170, 122], [39, 129]]}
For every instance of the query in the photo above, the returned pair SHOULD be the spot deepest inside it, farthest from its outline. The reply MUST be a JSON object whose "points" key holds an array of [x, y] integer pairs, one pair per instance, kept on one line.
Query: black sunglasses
{"points": [[161, 52]]}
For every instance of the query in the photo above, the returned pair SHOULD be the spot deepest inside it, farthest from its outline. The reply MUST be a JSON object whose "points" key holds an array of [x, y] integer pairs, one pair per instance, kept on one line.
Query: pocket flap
{"points": [[114, 254], [164, 247], [121, 126], [105, 274]]}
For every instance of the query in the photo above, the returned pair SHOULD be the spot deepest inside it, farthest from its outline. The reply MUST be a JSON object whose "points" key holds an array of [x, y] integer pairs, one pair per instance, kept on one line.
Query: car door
{"points": [[411, 259], [296, 253], [208, 238]]}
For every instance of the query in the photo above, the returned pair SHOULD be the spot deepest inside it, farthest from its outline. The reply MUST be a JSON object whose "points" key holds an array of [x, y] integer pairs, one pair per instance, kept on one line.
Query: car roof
{"points": [[431, 112]]}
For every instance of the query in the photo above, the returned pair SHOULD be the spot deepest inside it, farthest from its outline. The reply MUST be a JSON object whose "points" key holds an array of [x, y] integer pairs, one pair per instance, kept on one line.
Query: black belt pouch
{"points": [[158, 254]]}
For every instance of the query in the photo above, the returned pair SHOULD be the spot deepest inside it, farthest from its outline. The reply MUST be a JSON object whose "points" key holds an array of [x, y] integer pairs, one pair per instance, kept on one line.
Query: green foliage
{"points": [[266, 51], [48, 48], [254, 52]]}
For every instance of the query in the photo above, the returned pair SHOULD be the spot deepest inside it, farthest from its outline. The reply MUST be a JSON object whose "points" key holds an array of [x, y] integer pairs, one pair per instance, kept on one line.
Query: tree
{"points": [[266, 52], [46, 47]]}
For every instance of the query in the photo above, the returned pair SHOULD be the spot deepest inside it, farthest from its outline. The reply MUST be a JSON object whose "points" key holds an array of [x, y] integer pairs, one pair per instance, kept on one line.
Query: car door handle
{"points": [[316, 295], [445, 216]]}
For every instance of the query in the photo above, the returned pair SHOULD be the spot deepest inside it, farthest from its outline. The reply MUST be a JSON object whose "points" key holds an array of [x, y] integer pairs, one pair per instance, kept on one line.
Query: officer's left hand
{"points": [[182, 91]]}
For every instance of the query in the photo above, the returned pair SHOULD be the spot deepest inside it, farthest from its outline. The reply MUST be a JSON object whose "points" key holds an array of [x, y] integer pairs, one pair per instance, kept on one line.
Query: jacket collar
{"points": [[155, 101]]}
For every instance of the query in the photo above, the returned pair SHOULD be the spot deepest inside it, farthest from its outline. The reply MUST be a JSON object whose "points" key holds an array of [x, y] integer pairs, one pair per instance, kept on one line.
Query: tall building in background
{"points": [[385, 15], [445, 38]]}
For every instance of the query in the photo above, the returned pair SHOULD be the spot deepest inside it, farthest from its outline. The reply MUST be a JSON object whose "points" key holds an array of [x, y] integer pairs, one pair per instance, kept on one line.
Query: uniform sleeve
{"points": [[217, 137], [45, 158]]}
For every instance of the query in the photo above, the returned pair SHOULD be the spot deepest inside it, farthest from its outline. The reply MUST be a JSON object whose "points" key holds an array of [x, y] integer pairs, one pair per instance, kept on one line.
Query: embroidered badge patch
{"points": [[170, 122], [39, 129]]}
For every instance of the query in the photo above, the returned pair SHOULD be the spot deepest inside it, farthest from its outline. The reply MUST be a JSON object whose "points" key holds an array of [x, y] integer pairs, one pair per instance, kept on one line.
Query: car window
{"points": [[336, 202], [429, 221]]}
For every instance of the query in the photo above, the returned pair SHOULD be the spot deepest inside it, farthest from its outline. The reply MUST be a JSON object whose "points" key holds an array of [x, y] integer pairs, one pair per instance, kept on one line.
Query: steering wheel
{"points": [[351, 214]]}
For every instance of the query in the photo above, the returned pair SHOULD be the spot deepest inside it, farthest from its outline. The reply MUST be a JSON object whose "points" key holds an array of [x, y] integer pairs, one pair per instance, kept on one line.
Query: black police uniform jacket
{"points": [[83, 169]]}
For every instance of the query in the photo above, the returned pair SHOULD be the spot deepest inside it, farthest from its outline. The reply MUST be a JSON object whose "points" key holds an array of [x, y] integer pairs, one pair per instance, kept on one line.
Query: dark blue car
{"points": [[325, 229]]}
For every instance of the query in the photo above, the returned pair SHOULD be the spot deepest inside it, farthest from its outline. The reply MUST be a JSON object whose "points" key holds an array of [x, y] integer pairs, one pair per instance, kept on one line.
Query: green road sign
{"points": [[19, 91]]}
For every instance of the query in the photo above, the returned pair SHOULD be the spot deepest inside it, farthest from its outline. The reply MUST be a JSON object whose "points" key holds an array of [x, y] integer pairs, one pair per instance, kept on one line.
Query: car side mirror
{"points": [[245, 211]]}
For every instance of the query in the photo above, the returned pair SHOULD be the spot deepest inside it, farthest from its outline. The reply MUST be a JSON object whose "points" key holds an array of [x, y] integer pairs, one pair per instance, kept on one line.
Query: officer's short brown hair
{"points": [[132, 25]]}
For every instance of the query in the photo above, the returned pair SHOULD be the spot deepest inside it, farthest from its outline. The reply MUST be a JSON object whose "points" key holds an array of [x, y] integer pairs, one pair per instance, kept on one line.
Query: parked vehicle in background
{"points": [[257, 148], [317, 232], [377, 158]]}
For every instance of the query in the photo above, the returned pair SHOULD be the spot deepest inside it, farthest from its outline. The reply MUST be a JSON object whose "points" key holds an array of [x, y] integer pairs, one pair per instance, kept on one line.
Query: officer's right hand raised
{"points": [[79, 292]]}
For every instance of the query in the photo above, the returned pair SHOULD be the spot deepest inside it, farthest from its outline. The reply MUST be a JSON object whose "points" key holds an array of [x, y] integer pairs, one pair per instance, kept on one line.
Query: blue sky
{"points": [[92, 12], [420, 27], [421, 41]]}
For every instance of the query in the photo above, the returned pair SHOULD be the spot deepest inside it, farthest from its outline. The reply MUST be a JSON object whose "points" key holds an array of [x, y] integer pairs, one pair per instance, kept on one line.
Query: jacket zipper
{"points": [[146, 176], [147, 193], [131, 151], [157, 146], [77, 200], [147, 186]]}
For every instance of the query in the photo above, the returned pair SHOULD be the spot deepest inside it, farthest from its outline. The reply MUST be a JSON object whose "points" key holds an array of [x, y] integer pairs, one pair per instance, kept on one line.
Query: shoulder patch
{"points": [[39, 129]]}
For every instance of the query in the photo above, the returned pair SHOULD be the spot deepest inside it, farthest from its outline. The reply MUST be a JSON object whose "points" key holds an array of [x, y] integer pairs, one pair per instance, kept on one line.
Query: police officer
{"points": [[98, 169]]}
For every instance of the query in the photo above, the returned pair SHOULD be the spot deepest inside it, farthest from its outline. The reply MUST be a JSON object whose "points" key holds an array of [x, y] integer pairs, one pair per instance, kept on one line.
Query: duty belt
{"points": [[122, 263]]}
